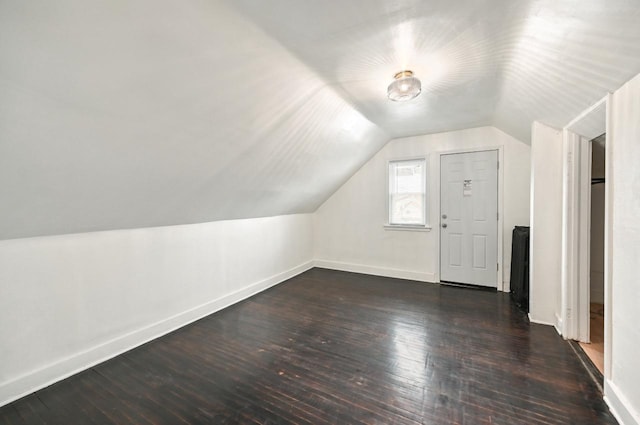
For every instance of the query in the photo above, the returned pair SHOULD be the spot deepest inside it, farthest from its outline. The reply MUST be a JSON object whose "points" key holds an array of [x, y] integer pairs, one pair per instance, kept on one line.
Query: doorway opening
{"points": [[594, 348], [587, 238]]}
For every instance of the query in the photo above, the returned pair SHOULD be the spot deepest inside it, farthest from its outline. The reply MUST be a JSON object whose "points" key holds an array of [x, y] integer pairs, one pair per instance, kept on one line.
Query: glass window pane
{"points": [[407, 192]]}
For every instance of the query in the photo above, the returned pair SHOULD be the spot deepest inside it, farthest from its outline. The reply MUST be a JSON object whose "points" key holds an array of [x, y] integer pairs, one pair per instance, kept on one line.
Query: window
{"points": [[407, 192]]}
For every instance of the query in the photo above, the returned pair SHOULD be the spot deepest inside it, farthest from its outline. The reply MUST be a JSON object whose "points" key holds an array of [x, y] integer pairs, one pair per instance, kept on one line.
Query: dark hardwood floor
{"points": [[330, 347]]}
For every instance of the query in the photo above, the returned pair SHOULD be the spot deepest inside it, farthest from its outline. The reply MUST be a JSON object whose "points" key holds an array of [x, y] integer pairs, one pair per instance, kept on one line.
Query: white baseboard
{"points": [[619, 405], [61, 369], [539, 322], [376, 271], [558, 324]]}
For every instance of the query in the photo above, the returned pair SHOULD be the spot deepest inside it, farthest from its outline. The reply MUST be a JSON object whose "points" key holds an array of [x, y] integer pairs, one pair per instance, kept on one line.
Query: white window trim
{"points": [[409, 227]]}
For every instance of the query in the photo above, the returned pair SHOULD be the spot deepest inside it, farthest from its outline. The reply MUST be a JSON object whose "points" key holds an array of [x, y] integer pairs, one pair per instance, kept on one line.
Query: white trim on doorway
{"points": [[608, 242], [574, 323], [576, 196]]}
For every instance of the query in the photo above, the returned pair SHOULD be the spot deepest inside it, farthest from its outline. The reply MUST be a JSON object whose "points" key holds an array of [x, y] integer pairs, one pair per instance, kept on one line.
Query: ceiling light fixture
{"points": [[405, 87]]}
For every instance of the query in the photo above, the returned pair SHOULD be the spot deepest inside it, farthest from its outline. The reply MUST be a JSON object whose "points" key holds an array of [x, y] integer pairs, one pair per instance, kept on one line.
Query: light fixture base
{"points": [[402, 74]]}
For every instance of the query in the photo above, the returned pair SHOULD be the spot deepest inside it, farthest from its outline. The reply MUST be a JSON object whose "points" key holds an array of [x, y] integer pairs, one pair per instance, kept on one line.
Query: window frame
{"points": [[425, 187]]}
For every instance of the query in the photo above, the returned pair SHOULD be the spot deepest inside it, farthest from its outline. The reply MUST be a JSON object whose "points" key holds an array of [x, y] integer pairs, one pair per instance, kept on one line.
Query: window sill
{"points": [[407, 228]]}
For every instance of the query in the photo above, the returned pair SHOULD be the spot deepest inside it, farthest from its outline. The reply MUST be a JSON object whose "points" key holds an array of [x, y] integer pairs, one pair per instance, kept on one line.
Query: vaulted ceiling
{"points": [[122, 114]]}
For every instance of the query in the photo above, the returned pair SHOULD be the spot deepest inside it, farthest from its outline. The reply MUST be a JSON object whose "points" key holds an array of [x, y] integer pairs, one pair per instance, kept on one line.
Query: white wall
{"points": [[349, 232], [136, 106], [73, 300], [623, 147], [546, 224]]}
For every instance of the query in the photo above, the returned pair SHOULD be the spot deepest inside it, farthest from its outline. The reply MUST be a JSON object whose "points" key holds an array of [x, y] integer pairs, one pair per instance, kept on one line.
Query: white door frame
{"points": [[435, 203], [576, 202], [576, 226]]}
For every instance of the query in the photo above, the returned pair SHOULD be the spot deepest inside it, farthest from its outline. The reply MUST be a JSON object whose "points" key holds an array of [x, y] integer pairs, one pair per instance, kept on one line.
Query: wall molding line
{"points": [[61, 369], [376, 271], [619, 405]]}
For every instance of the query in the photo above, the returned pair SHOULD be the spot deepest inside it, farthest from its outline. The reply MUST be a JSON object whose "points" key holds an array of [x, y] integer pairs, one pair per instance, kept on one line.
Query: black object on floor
{"points": [[520, 267]]}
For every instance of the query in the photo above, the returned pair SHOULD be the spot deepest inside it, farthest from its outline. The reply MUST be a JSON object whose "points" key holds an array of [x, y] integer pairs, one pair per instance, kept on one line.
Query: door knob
{"points": [[444, 225], [444, 216]]}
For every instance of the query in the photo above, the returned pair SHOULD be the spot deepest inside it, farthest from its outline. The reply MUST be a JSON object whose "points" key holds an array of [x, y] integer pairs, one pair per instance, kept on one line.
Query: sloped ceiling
{"points": [[482, 62], [122, 114]]}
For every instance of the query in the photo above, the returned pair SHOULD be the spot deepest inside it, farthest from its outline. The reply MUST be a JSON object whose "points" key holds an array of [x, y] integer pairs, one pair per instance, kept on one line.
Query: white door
{"points": [[469, 218]]}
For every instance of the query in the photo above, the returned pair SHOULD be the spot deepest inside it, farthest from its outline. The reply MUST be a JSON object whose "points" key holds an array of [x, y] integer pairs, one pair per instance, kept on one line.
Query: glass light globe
{"points": [[405, 87]]}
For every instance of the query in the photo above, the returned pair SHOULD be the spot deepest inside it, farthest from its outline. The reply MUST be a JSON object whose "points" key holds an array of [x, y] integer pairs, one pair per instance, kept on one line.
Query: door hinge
{"points": [[498, 165], [498, 216], [497, 267]]}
